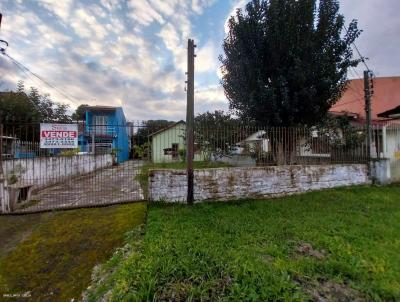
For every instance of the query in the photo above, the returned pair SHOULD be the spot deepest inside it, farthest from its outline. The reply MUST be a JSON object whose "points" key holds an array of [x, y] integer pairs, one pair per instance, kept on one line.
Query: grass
{"points": [[143, 176], [50, 256], [338, 245]]}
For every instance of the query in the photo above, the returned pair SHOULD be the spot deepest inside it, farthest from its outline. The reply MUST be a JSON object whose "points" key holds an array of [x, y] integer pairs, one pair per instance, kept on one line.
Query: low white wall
{"points": [[45, 171], [254, 182]]}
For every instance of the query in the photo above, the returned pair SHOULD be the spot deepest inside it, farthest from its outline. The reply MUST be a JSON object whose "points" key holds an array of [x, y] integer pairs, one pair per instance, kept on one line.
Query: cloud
{"points": [[379, 40], [207, 57], [143, 12], [60, 8], [133, 53]]}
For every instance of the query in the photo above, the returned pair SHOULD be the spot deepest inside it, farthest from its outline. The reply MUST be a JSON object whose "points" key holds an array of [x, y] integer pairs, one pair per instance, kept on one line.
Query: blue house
{"points": [[107, 127]]}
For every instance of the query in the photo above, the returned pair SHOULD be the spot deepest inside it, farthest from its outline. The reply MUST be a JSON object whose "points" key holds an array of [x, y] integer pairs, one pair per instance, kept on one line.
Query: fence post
{"points": [[384, 141], [5, 202], [190, 122]]}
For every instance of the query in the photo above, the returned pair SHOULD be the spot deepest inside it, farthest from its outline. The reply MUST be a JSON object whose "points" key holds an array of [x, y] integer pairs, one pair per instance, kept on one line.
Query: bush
{"points": [[182, 154], [70, 152]]}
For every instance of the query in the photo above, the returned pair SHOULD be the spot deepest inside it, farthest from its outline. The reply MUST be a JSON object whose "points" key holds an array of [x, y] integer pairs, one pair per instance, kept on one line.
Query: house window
{"points": [[100, 124], [167, 151], [173, 151]]}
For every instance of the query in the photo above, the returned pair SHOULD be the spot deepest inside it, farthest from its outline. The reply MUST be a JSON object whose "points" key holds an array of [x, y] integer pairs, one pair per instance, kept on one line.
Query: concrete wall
{"points": [[45, 171], [253, 182]]}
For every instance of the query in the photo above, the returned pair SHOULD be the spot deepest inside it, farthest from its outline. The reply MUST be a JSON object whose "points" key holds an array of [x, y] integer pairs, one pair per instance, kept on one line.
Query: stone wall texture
{"points": [[254, 182]]}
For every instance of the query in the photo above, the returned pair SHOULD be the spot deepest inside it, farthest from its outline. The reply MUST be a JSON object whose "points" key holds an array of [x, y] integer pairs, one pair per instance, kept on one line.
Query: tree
{"points": [[16, 107], [149, 127], [216, 132], [49, 111], [20, 107], [285, 61], [79, 114]]}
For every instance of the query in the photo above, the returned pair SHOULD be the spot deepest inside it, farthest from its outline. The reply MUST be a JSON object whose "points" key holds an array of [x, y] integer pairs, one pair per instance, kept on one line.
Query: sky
{"points": [[132, 53]]}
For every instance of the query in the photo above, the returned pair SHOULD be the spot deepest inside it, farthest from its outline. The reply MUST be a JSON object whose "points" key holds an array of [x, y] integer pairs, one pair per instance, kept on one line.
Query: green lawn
{"points": [[143, 176], [51, 256], [338, 245]]}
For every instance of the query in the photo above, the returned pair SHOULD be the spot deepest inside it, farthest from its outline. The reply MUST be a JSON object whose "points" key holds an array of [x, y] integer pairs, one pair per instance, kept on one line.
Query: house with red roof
{"points": [[385, 101], [385, 105]]}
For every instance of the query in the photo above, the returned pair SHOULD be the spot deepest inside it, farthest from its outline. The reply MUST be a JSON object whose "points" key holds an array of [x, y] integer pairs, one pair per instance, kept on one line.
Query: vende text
{"points": [[59, 134]]}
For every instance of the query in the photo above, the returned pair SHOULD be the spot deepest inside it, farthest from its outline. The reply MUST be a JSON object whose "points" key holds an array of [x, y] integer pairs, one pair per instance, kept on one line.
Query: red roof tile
{"points": [[386, 96]]}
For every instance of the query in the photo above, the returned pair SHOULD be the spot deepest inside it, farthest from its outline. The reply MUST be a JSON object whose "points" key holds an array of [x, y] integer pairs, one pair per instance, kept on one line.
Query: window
{"points": [[167, 151], [173, 151], [100, 124]]}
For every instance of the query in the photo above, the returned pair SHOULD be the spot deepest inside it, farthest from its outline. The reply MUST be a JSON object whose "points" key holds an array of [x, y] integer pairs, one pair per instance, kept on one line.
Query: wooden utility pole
{"points": [[5, 207], [190, 122], [367, 96]]}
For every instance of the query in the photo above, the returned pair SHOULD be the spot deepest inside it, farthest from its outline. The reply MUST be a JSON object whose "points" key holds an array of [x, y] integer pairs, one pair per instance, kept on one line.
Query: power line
{"points": [[26, 69], [358, 51]]}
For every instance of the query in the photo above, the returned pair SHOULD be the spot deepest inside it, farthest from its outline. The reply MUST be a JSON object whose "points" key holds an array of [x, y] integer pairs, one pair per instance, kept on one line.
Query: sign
{"points": [[397, 154], [58, 136]]}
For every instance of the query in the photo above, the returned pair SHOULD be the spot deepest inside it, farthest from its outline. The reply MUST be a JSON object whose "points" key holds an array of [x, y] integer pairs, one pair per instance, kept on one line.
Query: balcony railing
{"points": [[101, 131]]}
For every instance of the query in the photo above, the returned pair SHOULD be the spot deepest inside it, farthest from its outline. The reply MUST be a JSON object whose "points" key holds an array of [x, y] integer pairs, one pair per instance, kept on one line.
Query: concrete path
{"points": [[110, 185]]}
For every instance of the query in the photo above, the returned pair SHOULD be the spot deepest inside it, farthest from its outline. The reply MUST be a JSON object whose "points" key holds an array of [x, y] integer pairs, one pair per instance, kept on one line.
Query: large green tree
{"points": [[79, 114], [285, 62], [148, 128], [216, 132], [21, 107]]}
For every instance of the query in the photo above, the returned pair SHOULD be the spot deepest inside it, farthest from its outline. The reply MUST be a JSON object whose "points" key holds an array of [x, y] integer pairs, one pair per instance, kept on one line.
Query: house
{"points": [[256, 140], [386, 97], [385, 105], [168, 144], [105, 131]]}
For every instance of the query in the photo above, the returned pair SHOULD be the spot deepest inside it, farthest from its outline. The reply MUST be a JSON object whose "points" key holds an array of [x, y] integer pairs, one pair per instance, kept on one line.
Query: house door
{"points": [[175, 152]]}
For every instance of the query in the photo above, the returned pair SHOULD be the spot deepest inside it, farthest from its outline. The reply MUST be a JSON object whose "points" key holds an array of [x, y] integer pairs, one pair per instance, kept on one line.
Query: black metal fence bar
{"points": [[110, 163]]}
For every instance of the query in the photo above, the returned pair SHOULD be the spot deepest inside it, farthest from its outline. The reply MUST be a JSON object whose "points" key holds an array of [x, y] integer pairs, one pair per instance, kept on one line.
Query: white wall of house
{"points": [[162, 142], [393, 150], [45, 171]]}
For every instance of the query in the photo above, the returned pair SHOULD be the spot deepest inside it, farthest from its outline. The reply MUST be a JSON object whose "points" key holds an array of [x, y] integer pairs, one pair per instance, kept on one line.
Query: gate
{"points": [[393, 149], [102, 169]]}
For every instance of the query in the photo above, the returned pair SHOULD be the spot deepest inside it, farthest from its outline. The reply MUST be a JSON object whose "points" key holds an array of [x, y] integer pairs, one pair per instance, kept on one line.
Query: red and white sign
{"points": [[57, 136]]}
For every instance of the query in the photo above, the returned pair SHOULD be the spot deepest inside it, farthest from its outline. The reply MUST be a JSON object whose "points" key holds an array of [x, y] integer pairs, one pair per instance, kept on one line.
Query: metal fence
{"points": [[102, 169], [242, 145], [111, 162]]}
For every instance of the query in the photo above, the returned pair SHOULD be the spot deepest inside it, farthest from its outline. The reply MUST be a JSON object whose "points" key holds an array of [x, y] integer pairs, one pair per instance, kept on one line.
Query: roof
{"points": [[101, 108], [392, 113], [386, 97], [166, 128]]}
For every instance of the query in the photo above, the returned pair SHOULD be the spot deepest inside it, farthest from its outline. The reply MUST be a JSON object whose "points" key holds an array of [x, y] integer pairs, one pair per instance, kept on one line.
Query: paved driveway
{"points": [[110, 185]]}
